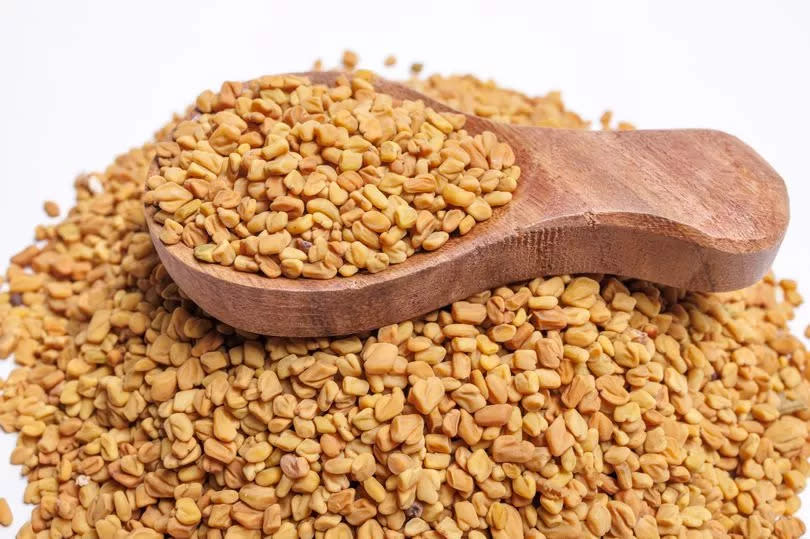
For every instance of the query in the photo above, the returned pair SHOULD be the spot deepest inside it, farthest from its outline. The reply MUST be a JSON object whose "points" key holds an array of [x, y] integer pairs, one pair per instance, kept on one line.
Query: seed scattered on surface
{"points": [[279, 176], [349, 59], [6, 517], [607, 117], [51, 208], [390, 60], [561, 407]]}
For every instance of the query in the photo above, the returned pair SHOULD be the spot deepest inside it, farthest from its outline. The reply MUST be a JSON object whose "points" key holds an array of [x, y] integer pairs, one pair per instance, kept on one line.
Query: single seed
{"points": [[349, 59], [51, 208], [187, 512], [6, 517]]}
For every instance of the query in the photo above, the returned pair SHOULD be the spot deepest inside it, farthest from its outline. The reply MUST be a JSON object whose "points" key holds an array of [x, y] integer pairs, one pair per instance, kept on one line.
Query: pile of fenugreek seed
{"points": [[279, 176], [560, 408]]}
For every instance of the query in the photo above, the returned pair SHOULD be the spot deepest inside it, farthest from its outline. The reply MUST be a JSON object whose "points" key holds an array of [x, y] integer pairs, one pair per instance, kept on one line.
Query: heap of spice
{"points": [[562, 407], [283, 177]]}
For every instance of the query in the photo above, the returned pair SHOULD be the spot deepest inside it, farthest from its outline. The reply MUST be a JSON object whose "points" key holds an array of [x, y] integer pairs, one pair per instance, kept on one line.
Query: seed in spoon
{"points": [[321, 181]]}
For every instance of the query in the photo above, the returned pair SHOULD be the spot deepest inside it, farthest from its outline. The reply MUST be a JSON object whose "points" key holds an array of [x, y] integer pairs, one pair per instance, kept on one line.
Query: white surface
{"points": [[84, 81]]}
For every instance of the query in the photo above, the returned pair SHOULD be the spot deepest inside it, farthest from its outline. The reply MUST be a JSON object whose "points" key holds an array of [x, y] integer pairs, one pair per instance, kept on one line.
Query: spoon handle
{"points": [[693, 208]]}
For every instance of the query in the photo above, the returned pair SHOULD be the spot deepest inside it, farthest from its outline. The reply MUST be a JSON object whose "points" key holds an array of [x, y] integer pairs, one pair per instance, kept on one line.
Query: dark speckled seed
{"points": [[414, 511]]}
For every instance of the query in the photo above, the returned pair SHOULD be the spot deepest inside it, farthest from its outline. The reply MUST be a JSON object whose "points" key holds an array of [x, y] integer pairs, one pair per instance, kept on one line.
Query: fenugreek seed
{"points": [[426, 394], [581, 292], [567, 406], [510, 449], [502, 332], [187, 512], [435, 240], [379, 358], [245, 264], [224, 254], [558, 438], [345, 177], [469, 313], [5, 513], [349, 59], [350, 160], [495, 415], [457, 196], [51, 208], [294, 467], [205, 252], [363, 467], [598, 520]]}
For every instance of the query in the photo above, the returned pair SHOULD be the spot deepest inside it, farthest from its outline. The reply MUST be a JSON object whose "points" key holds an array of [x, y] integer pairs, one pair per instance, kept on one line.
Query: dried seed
{"points": [[51, 208], [336, 174], [187, 512], [5, 513], [563, 407]]}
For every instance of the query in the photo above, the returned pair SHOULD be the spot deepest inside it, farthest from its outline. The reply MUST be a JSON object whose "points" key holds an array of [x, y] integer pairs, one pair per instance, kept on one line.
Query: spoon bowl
{"points": [[690, 208]]}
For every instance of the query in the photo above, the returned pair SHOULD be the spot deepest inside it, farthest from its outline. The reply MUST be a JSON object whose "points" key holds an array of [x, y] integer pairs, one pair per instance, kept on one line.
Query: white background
{"points": [[85, 80]]}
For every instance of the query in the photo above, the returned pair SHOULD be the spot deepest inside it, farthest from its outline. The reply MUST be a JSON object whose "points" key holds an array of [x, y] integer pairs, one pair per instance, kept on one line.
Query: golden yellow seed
{"points": [[51, 208], [187, 512], [205, 252], [466, 224], [497, 198], [290, 172], [457, 196], [349, 59], [350, 160], [435, 240], [559, 404], [6, 517]]}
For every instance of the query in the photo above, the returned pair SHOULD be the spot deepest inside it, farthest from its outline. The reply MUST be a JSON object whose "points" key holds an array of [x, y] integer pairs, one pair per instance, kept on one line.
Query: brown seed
{"points": [[349, 59], [563, 406], [558, 438], [294, 467], [363, 467], [495, 415], [5, 513], [426, 394], [469, 313], [509, 449], [51, 208], [379, 358], [187, 513], [404, 426], [598, 520], [314, 180]]}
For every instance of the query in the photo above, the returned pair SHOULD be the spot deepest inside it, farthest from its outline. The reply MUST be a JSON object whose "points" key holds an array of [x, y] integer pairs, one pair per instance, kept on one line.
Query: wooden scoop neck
{"points": [[693, 208]]}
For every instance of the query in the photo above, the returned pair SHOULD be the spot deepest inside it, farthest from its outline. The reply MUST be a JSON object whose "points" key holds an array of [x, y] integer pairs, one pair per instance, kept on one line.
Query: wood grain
{"points": [[693, 208]]}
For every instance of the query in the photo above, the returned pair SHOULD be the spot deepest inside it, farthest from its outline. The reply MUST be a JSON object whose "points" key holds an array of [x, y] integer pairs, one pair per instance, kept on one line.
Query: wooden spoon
{"points": [[694, 208]]}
